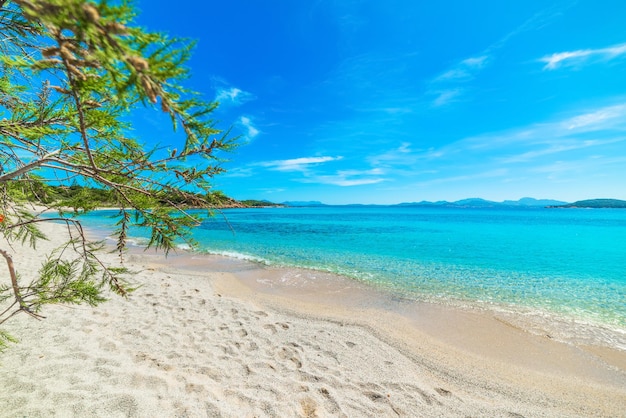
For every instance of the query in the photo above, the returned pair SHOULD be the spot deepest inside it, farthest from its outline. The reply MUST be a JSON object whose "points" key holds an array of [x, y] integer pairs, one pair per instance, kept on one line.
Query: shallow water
{"points": [[563, 268]]}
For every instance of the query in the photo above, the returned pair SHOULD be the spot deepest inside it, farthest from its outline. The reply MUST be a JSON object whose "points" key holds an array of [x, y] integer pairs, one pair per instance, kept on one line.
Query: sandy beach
{"points": [[211, 337]]}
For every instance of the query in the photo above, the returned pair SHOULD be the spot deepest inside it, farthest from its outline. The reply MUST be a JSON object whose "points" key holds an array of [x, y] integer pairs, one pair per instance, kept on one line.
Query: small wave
{"points": [[131, 242], [562, 326], [241, 256]]}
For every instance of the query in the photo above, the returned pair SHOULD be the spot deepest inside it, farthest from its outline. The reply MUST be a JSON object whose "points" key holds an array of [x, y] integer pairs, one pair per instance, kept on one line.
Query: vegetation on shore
{"points": [[595, 203], [71, 74], [250, 203], [81, 196]]}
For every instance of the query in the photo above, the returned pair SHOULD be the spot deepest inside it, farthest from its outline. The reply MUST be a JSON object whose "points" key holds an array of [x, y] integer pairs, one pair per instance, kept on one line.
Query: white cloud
{"points": [[598, 131], [396, 156], [390, 110], [604, 123], [405, 148], [475, 62], [451, 83], [585, 165], [348, 178], [233, 96], [573, 58], [239, 172], [251, 130], [343, 182], [446, 97], [448, 86], [464, 70], [559, 148], [306, 166], [454, 74], [598, 118], [404, 159], [371, 172], [297, 164]]}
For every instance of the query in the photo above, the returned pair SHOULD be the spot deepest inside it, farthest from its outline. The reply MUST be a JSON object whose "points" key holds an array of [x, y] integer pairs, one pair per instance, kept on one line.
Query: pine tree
{"points": [[71, 73]]}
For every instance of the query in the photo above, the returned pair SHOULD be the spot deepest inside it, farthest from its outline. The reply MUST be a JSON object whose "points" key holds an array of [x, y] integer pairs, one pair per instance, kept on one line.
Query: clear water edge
{"points": [[531, 283], [567, 327]]}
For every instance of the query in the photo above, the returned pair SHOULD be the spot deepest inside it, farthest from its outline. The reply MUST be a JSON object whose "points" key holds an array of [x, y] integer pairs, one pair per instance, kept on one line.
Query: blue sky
{"points": [[405, 100]]}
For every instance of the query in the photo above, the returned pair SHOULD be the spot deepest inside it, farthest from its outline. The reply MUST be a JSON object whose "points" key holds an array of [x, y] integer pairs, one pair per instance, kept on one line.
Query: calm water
{"points": [[570, 263]]}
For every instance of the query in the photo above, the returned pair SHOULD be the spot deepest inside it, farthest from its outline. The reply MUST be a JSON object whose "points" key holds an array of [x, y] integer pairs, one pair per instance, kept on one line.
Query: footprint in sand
{"points": [[143, 357], [443, 392], [288, 354], [333, 406], [309, 408], [375, 396], [274, 327], [271, 327]]}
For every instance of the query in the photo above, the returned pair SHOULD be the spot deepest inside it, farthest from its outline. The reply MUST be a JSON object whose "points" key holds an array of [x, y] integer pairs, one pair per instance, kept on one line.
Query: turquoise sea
{"points": [[565, 266]]}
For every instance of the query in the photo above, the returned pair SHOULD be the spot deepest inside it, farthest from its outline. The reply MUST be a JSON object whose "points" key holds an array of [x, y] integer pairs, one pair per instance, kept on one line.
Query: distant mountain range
{"points": [[482, 203], [465, 203], [527, 202]]}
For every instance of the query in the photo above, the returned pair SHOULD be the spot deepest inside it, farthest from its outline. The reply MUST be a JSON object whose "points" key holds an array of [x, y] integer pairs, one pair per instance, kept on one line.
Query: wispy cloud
{"points": [[250, 130], [598, 119], [233, 96], [465, 69], [539, 20], [559, 148], [302, 165], [448, 88], [390, 110], [310, 171], [516, 152], [446, 97], [246, 171], [273, 190], [348, 178], [584, 165], [402, 156], [604, 122], [453, 84], [297, 164], [582, 56]]}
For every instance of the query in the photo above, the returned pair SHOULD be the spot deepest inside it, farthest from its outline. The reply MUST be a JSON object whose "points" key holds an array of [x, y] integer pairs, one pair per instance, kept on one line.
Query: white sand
{"points": [[190, 344]]}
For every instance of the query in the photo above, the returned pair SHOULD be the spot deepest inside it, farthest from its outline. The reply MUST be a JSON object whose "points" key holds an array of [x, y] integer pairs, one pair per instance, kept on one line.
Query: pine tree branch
{"points": [[29, 167], [16, 289]]}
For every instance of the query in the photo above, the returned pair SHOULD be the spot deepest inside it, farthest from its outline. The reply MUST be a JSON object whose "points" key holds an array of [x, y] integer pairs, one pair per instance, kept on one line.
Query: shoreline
{"points": [[573, 327], [328, 296], [532, 319], [218, 339], [288, 289], [560, 326]]}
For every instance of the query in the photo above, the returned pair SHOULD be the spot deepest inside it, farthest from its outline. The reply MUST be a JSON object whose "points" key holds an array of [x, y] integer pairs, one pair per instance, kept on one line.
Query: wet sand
{"points": [[211, 336]]}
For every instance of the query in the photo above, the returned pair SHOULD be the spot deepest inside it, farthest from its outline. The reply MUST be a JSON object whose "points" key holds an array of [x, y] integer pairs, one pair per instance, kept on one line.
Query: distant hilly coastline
{"points": [[526, 202], [465, 203], [593, 203], [304, 203], [482, 203], [67, 196]]}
